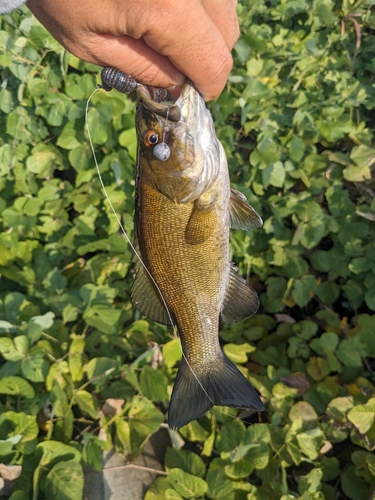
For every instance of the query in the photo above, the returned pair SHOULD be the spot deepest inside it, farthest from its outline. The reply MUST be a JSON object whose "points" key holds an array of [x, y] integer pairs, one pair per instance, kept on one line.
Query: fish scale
{"points": [[191, 292]]}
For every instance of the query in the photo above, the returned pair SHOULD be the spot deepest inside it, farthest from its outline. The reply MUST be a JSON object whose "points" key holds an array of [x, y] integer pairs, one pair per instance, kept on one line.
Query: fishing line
{"points": [[165, 126], [128, 239], [174, 327]]}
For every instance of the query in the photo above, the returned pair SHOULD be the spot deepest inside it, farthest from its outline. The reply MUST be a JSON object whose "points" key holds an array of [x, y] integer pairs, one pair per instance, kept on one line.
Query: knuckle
{"points": [[219, 76], [226, 65], [237, 32]]}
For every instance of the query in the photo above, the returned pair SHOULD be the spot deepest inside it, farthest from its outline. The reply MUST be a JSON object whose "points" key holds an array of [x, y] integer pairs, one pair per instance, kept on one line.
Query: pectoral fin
{"points": [[242, 215], [241, 301], [200, 226], [146, 299]]}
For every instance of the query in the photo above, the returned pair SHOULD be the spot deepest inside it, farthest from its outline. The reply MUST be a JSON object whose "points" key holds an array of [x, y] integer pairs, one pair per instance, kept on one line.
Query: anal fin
{"points": [[241, 301], [241, 214]]}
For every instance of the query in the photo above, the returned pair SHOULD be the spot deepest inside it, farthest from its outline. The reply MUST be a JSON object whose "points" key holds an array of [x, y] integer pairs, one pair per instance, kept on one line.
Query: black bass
{"points": [[184, 209]]}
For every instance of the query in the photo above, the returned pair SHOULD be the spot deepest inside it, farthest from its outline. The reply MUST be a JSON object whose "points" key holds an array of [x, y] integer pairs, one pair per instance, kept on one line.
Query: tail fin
{"points": [[223, 385]]}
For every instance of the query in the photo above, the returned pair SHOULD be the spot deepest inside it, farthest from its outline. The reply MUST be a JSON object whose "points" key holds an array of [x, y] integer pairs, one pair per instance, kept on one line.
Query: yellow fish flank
{"points": [[184, 209]]}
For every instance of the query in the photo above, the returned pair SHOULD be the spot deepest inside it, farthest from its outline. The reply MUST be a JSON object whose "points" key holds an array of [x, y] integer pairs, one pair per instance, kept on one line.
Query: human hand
{"points": [[158, 42]]}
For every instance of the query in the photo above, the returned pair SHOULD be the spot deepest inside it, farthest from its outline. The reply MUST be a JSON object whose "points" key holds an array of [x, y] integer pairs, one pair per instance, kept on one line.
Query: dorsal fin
{"points": [[241, 301], [242, 215]]}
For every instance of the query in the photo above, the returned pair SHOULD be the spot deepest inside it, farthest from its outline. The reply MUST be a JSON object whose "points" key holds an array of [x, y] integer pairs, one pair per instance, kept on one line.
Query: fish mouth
{"points": [[184, 108], [166, 108]]}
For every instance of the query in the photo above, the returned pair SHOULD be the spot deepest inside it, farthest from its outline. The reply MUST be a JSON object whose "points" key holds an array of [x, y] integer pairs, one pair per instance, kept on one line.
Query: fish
{"points": [[184, 208]]}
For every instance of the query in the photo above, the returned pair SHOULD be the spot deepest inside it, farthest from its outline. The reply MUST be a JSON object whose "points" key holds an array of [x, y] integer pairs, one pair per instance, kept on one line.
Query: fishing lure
{"points": [[113, 78]]}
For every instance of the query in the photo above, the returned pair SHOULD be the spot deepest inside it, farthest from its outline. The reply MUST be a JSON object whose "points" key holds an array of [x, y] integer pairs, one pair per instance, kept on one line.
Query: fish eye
{"points": [[151, 138]]}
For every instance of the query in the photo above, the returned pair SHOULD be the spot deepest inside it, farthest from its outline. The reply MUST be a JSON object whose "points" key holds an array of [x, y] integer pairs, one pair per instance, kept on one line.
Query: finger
{"points": [[133, 57], [224, 16], [194, 45], [94, 39]]}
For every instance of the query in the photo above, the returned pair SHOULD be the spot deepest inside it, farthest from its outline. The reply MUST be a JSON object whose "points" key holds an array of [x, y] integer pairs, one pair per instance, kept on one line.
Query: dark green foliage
{"points": [[81, 371]]}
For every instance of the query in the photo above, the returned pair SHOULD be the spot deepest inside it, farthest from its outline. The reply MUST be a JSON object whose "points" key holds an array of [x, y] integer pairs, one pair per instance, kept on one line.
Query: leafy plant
{"points": [[82, 371]]}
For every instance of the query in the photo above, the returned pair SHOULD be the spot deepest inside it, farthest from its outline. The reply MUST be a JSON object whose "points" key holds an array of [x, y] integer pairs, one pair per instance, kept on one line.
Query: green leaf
{"points": [[310, 442], [172, 495], [144, 416], [75, 360], [54, 281], [348, 353], [318, 368], [172, 352], [305, 412], [370, 299], [353, 486], [70, 313], [10, 351], [128, 140], [157, 489], [313, 232], [325, 344], [320, 261], [296, 149], [65, 481], [219, 486], [230, 436], [87, 403], [19, 495], [298, 348], [194, 432], [41, 162], [45, 321], [80, 157], [186, 460], [274, 175], [330, 468], [303, 289], [363, 416], [92, 452], [362, 155], [52, 451], [360, 265], [19, 424], [237, 353], [328, 292], [356, 173], [70, 137], [6, 327], [63, 427], [153, 384], [99, 369], [259, 433], [16, 386], [102, 317], [310, 483], [240, 469], [187, 485], [305, 329], [34, 368], [239, 452], [258, 455]]}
